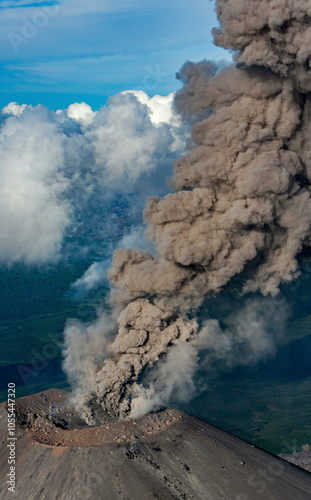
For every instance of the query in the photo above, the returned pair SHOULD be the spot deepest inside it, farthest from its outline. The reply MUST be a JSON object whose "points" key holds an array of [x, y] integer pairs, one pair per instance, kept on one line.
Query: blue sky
{"points": [[56, 53]]}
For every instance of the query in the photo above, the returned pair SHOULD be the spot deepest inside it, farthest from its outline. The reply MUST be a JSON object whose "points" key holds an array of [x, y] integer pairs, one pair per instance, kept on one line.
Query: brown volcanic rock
{"points": [[165, 455]]}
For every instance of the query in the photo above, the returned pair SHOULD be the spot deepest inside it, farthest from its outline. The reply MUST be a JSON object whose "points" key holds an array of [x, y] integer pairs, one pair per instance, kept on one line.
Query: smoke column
{"points": [[242, 195]]}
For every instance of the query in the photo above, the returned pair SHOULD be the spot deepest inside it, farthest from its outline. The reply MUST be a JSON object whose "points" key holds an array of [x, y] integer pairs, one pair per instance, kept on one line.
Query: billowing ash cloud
{"points": [[242, 194], [274, 34], [57, 167], [96, 275]]}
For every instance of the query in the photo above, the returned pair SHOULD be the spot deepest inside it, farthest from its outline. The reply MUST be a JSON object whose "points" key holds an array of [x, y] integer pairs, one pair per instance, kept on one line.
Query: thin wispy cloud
{"points": [[17, 4], [101, 46], [74, 7]]}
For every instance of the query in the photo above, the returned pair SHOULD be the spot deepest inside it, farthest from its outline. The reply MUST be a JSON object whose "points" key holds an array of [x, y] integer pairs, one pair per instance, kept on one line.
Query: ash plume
{"points": [[241, 204]]}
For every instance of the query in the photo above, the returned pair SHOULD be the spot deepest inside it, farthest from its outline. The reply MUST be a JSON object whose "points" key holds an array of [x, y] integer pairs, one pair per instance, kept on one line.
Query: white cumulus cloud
{"points": [[60, 169], [33, 210]]}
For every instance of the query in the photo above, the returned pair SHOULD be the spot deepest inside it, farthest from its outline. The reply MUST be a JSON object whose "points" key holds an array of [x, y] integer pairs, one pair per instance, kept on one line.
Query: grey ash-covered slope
{"points": [[164, 455]]}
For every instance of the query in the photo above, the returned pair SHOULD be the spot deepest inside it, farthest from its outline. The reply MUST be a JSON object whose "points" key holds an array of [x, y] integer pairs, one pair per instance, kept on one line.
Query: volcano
{"points": [[163, 455]]}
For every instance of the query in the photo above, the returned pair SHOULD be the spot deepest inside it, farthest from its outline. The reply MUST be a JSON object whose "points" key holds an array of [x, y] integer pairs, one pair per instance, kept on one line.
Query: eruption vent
{"points": [[242, 195]]}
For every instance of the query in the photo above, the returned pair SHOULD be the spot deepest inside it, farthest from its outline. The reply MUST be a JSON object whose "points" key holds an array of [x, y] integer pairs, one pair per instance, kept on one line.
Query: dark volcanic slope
{"points": [[167, 455]]}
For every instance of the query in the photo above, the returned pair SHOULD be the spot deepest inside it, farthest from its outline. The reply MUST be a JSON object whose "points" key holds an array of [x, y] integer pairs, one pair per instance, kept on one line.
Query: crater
{"points": [[50, 419]]}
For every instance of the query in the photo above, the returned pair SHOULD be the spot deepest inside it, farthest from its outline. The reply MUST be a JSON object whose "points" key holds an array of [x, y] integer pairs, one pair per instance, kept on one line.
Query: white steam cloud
{"points": [[56, 166], [250, 335]]}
